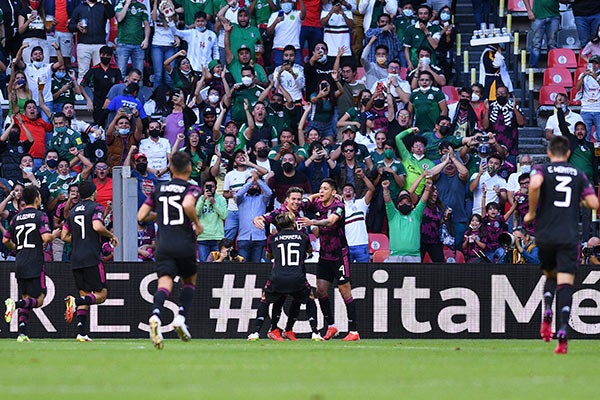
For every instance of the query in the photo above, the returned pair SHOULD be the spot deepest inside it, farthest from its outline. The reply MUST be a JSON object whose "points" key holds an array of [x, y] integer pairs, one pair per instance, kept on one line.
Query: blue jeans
{"points": [[591, 119], [311, 34], [587, 28], [252, 250], [232, 224], [205, 247], [539, 27], [159, 55], [481, 10], [359, 253], [133, 51], [495, 254]]}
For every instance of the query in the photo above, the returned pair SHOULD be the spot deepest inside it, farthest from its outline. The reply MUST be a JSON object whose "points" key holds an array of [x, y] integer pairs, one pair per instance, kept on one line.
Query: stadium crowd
{"points": [[266, 96]]}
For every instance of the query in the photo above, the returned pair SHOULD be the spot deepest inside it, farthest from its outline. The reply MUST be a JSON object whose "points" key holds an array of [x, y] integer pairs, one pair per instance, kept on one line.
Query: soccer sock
{"points": [[81, 317], [549, 289], [86, 300], [261, 314], [351, 312], [23, 320], [326, 310], [186, 297], [293, 313], [160, 296], [311, 310], [276, 312], [28, 303], [564, 299]]}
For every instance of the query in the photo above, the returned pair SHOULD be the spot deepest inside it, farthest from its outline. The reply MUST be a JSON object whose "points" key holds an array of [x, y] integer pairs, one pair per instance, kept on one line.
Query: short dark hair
{"points": [[30, 193], [60, 115], [384, 47], [134, 70], [289, 47], [180, 161], [491, 205], [200, 14], [330, 182], [294, 189], [106, 50], [522, 177], [442, 118], [37, 48], [225, 242], [248, 68], [559, 146], [349, 142]]}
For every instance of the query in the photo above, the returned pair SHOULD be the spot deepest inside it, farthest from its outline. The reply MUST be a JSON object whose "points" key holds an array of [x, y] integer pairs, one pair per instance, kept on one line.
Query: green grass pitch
{"points": [[237, 369]]}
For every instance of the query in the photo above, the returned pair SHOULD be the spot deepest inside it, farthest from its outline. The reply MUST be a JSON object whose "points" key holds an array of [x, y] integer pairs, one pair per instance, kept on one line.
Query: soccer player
{"points": [[334, 262], [173, 205], [83, 229], [555, 191], [28, 234], [289, 249]]}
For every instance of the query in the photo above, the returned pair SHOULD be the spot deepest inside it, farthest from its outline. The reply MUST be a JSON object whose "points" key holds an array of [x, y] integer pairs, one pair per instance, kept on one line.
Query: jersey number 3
{"points": [[563, 187]]}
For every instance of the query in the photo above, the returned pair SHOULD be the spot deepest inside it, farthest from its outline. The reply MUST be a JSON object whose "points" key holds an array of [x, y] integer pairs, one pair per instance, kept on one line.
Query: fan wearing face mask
{"points": [[413, 160], [11, 150], [426, 64], [427, 102], [445, 49], [405, 18], [441, 133], [285, 25], [385, 32], [504, 121], [157, 150], [404, 219], [422, 34]]}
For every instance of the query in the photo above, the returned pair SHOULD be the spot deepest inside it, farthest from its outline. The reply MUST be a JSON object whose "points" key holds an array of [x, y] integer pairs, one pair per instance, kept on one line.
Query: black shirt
{"points": [[25, 231], [176, 237], [85, 240], [558, 210], [101, 81], [288, 249]]}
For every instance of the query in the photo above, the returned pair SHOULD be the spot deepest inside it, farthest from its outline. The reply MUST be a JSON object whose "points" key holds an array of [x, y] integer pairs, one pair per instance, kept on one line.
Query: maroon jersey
{"points": [[332, 239]]}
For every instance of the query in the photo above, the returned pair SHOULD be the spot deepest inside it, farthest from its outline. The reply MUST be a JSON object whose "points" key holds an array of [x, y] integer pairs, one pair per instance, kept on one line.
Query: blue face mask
{"points": [[408, 13], [201, 28], [123, 131], [286, 7], [60, 74], [38, 64], [445, 16]]}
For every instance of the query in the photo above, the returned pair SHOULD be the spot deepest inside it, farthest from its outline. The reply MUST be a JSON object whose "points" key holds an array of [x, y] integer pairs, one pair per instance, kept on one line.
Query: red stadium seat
{"points": [[564, 58], [548, 94], [380, 256], [378, 241], [572, 100], [581, 62], [360, 73], [458, 256], [451, 94], [558, 76], [517, 5]]}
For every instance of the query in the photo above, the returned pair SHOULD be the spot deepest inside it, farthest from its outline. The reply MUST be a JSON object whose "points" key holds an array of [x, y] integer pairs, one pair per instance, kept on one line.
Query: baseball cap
{"points": [[403, 195], [353, 128], [139, 155], [595, 58], [243, 47], [209, 111], [212, 64], [86, 189]]}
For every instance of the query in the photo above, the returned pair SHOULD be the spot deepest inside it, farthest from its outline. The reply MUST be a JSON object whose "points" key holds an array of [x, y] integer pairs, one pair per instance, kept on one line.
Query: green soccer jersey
{"points": [[262, 12], [62, 143], [433, 142], [405, 230], [543, 9], [238, 114], [426, 107], [415, 38], [235, 68], [412, 165], [131, 28], [248, 36], [191, 7]]}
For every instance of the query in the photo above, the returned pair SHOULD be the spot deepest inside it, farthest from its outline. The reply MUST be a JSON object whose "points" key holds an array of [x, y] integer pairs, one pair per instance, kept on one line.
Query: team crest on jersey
{"points": [[430, 97]]}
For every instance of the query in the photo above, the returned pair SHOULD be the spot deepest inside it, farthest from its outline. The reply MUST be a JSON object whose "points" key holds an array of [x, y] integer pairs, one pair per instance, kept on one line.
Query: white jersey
{"points": [[356, 225], [234, 180]]}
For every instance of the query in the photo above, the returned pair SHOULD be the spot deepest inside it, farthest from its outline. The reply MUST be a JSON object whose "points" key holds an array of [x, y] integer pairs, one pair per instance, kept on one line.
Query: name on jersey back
{"points": [[561, 169]]}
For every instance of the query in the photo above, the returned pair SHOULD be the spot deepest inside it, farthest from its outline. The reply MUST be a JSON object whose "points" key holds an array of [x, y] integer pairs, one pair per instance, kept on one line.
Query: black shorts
{"points": [[301, 296], [33, 287], [559, 258], [90, 279], [335, 269], [172, 266]]}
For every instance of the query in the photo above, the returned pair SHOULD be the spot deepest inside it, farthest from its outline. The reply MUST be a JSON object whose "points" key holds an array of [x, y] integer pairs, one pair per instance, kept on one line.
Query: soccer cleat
{"points": [[546, 328], [561, 348], [316, 337], [10, 309], [332, 331], [290, 335], [23, 338], [253, 337], [69, 308], [83, 338], [351, 337], [275, 334], [181, 328], [155, 333]]}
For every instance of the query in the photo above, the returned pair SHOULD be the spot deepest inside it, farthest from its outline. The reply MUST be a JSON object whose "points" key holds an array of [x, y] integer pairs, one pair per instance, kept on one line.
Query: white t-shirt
{"points": [[590, 102], [287, 31], [337, 33], [404, 85], [294, 86], [572, 118], [356, 225], [234, 180], [490, 196], [44, 75], [156, 153]]}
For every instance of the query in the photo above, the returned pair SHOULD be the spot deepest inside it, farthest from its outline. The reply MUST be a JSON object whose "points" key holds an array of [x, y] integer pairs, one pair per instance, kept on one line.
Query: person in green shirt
{"points": [[246, 90], [242, 34], [440, 134], [244, 59], [133, 34], [405, 224], [189, 8], [545, 21], [427, 103], [422, 34], [414, 161], [65, 138]]}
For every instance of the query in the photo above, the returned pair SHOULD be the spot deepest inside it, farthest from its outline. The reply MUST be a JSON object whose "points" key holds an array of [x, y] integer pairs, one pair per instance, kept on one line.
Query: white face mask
{"points": [[445, 16], [408, 13], [213, 98], [247, 80], [525, 169], [474, 97]]}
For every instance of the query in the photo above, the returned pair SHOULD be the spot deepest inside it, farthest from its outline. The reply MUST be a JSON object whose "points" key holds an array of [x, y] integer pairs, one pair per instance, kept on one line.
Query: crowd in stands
{"points": [[269, 98]]}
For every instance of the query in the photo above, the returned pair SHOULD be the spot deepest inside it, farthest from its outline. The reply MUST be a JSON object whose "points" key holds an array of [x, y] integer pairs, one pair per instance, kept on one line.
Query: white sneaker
{"points": [[253, 337], [82, 338], [155, 333], [181, 328], [316, 337]]}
